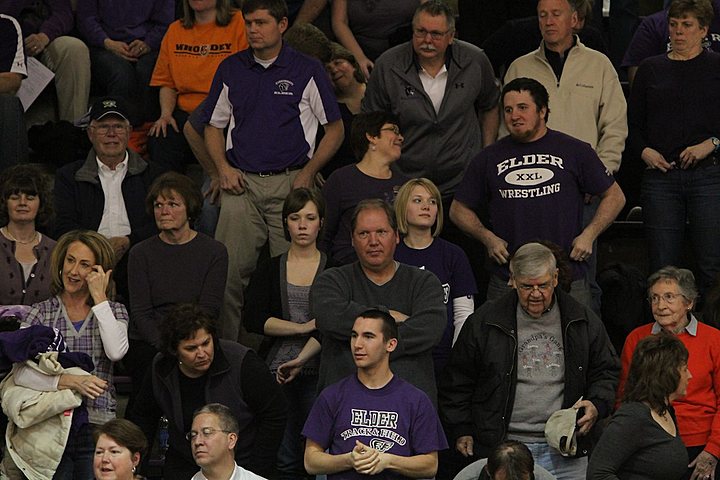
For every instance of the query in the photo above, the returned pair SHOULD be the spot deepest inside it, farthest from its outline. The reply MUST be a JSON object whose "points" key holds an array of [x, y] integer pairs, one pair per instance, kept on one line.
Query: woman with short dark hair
{"points": [[376, 142], [642, 439], [25, 204], [179, 265], [674, 125], [195, 368], [119, 446], [349, 85]]}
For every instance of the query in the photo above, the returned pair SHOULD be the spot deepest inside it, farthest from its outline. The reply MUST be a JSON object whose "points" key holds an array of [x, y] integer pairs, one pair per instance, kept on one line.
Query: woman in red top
{"points": [[672, 294]]}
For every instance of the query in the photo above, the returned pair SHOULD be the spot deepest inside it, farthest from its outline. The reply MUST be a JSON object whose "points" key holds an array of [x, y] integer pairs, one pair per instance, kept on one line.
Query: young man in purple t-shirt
{"points": [[534, 182], [373, 422]]}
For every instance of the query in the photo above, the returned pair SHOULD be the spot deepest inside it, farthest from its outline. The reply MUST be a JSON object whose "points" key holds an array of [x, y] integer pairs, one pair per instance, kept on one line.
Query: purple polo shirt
{"points": [[273, 113]]}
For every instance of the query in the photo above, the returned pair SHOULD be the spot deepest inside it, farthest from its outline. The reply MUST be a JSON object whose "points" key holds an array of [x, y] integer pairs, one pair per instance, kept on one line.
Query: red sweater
{"points": [[698, 412]]}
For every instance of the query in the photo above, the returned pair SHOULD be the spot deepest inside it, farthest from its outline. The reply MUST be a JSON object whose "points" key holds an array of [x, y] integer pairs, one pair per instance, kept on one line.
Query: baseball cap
{"points": [[560, 431], [108, 106]]}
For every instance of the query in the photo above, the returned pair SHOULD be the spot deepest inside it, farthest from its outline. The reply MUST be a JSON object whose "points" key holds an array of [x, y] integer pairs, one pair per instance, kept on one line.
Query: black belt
{"points": [[709, 161], [270, 173]]}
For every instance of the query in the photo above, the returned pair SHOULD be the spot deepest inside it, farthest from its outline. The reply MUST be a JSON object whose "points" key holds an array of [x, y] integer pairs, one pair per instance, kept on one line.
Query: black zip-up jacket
{"points": [[477, 390]]}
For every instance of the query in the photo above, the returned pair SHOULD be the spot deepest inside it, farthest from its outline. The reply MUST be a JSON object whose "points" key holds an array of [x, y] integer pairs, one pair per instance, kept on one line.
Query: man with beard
{"points": [[533, 183]]}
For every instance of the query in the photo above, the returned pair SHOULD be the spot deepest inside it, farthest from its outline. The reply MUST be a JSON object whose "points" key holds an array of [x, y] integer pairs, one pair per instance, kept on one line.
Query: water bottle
{"points": [[164, 437]]}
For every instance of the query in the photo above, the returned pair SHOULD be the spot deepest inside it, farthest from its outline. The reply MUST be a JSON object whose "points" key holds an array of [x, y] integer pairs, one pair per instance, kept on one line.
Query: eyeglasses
{"points": [[543, 287], [669, 298], [105, 129], [434, 34], [395, 129], [203, 433]]}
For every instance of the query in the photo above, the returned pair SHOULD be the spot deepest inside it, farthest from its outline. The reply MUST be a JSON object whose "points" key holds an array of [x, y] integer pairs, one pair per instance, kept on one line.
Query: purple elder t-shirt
{"points": [[535, 191], [397, 418], [450, 264]]}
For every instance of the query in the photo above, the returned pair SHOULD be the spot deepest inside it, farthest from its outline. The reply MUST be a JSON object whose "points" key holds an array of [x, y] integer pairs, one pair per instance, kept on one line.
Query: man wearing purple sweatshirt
{"points": [[46, 27], [124, 39]]}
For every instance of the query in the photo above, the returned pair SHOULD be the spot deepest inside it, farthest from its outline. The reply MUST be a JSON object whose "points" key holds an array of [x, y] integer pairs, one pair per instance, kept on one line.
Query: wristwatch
{"points": [[716, 143]]}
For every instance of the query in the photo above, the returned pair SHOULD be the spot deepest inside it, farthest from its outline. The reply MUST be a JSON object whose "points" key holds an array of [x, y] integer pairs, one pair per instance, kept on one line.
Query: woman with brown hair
{"points": [[280, 310], [642, 439], [25, 204], [119, 446], [349, 84], [179, 265]]}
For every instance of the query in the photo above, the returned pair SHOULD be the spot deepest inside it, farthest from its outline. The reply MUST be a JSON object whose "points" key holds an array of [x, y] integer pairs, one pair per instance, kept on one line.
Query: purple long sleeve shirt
{"points": [[125, 21], [58, 13]]}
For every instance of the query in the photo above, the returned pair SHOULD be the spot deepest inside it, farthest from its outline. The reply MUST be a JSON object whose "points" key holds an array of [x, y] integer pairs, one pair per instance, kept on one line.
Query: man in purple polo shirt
{"points": [[373, 422], [534, 182], [272, 100]]}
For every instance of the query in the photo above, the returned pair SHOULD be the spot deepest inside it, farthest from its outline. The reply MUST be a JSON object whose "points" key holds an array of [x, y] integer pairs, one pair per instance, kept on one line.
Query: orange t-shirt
{"points": [[188, 58]]}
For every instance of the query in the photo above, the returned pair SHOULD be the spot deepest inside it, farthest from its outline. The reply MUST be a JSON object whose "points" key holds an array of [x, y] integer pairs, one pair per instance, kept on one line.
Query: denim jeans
{"points": [[172, 151], [129, 80], [300, 394], [77, 459], [564, 468], [677, 202]]}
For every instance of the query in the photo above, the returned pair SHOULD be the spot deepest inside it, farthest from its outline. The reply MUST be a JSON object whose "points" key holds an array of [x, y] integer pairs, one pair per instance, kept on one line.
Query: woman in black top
{"points": [[642, 442]]}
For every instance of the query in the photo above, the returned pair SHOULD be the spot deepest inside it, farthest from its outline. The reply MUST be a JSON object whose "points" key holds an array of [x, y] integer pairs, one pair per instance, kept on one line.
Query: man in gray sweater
{"points": [[414, 298]]}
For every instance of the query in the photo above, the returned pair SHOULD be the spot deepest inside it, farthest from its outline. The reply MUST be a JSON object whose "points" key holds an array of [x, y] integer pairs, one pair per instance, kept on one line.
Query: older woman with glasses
{"points": [[672, 294]]}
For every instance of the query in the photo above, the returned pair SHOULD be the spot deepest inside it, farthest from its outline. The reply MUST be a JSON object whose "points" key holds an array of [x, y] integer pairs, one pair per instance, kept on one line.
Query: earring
{"points": [[133, 469], [373, 147]]}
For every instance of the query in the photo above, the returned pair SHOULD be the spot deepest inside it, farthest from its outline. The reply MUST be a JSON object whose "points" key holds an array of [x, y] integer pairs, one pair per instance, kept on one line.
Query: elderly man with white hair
{"points": [[522, 357]]}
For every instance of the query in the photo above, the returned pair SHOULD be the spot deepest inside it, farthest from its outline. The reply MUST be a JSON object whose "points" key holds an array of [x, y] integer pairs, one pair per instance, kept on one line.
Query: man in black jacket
{"points": [[106, 191], [522, 357]]}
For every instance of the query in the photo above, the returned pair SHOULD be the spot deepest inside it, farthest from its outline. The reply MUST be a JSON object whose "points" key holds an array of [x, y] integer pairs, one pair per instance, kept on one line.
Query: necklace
{"points": [[10, 236]]}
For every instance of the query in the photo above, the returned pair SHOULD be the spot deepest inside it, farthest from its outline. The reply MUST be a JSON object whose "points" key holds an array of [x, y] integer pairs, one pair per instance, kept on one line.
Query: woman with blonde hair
{"points": [[89, 322], [419, 213]]}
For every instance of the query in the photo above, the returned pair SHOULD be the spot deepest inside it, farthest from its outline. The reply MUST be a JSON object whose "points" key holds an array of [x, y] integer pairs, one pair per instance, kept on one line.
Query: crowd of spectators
{"points": [[355, 258]]}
